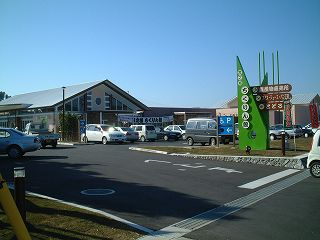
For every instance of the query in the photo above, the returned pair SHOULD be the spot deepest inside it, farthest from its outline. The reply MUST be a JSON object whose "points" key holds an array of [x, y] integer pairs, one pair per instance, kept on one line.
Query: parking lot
{"points": [[156, 191]]}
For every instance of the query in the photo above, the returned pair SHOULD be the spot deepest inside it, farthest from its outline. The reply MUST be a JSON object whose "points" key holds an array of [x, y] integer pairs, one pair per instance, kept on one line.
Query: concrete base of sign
{"points": [[288, 162]]}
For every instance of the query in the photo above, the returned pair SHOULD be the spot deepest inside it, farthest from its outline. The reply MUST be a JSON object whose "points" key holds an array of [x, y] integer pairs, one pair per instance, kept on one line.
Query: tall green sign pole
{"points": [[253, 123]]}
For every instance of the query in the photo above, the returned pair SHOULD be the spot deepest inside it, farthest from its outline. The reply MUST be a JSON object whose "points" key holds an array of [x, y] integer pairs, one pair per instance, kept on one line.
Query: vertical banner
{"points": [[287, 115], [314, 117]]}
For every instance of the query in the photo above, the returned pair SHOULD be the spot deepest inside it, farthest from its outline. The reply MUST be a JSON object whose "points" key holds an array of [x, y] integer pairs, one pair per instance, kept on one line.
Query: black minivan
{"points": [[201, 130]]}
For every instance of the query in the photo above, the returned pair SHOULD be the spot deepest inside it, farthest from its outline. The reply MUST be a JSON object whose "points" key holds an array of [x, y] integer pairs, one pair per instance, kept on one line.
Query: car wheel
{"points": [[213, 142], [54, 144], [165, 137], [190, 141], [104, 140], [315, 169], [142, 139], [272, 137], [14, 152]]}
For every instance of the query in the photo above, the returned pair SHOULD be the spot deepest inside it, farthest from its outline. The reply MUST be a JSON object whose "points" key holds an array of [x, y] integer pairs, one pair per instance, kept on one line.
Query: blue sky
{"points": [[176, 53]]}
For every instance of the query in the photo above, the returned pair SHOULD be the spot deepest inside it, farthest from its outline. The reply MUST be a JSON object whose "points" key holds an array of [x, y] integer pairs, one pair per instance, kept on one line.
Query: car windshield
{"points": [[150, 128], [127, 129], [105, 128]]}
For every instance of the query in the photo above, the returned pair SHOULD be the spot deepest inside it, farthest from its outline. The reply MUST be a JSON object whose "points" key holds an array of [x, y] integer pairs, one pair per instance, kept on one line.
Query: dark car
{"points": [[167, 135], [171, 135]]}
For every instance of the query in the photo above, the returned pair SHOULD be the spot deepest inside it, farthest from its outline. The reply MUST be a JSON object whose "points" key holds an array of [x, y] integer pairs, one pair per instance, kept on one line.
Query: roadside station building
{"points": [[96, 102]]}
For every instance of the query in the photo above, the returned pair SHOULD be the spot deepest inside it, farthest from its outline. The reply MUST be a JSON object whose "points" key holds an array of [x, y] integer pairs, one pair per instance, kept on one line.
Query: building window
{"points": [[114, 104], [75, 105], [81, 103], [89, 102], [106, 101], [98, 101], [67, 106], [119, 105]]}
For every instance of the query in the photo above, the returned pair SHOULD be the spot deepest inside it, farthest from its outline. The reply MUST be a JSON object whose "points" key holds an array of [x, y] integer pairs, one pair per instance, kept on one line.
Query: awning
{"points": [[12, 107]]}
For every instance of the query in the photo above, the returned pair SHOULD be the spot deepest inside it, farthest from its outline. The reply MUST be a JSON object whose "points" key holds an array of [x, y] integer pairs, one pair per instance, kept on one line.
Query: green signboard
{"points": [[253, 123]]}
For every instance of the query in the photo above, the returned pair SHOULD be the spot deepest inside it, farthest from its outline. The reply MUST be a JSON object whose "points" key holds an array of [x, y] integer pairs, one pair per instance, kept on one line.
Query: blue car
{"points": [[16, 143]]}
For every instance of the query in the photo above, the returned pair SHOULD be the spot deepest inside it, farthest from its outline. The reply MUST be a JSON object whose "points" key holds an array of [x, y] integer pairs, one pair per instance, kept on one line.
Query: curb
{"points": [[297, 162]]}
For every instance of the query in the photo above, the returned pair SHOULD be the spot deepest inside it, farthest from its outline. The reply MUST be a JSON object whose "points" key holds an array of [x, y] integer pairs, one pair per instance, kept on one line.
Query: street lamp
{"points": [[63, 108]]}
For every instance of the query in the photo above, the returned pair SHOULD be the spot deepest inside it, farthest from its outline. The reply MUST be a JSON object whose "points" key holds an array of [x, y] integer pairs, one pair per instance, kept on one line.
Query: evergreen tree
{"points": [[3, 96]]}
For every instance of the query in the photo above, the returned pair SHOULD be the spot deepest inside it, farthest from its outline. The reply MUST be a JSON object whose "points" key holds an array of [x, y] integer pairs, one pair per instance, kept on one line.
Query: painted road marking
{"points": [[193, 166], [178, 230], [147, 161], [227, 170], [265, 180], [98, 192]]}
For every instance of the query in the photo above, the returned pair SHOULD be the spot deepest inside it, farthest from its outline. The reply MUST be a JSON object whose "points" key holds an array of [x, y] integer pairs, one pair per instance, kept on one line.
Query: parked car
{"points": [[276, 130], [201, 130], [16, 143], [313, 161], [159, 132], [177, 128], [102, 133], [43, 133], [130, 134], [308, 131], [169, 135], [146, 132]]}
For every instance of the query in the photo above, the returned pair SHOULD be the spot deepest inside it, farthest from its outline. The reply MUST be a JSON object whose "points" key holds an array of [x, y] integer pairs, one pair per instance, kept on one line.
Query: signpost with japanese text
{"points": [[254, 104]]}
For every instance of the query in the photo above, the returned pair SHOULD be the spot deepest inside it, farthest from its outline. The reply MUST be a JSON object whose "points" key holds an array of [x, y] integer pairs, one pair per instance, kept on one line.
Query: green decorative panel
{"points": [[253, 124]]}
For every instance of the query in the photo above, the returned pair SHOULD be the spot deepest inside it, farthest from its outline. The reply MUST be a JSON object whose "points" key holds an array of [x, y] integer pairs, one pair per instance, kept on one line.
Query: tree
{"points": [[3, 96], [71, 126]]}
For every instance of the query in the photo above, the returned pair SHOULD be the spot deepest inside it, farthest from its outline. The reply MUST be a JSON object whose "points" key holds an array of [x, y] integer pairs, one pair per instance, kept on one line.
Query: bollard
{"points": [[12, 212], [283, 143], [19, 191]]}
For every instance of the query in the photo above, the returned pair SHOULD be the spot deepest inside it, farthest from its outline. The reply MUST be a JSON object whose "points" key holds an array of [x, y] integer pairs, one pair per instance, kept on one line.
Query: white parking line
{"points": [[265, 180]]}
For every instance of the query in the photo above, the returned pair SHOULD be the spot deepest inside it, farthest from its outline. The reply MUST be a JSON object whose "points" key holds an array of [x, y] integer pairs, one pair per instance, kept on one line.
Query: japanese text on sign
{"points": [[272, 88]]}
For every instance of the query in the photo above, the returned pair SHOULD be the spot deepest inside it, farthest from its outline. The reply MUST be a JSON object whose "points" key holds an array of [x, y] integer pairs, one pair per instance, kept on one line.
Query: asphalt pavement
{"points": [[157, 191]]}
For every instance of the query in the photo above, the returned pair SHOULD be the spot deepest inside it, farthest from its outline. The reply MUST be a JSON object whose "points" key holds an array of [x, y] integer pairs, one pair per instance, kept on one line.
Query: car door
{"points": [[98, 134], [4, 140], [90, 133]]}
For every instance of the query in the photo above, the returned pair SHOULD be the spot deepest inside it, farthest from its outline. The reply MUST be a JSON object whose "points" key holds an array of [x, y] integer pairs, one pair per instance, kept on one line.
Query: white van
{"points": [[146, 132], [313, 161]]}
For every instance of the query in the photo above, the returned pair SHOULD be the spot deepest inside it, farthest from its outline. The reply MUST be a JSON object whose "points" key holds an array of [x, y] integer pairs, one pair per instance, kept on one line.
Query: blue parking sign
{"points": [[82, 126]]}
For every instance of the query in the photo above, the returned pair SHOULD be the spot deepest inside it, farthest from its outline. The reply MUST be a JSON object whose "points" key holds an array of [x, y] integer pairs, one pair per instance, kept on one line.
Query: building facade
{"points": [[95, 102]]}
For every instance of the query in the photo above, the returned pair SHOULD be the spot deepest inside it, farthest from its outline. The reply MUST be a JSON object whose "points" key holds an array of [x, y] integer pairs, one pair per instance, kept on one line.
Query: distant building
{"points": [[96, 102]]}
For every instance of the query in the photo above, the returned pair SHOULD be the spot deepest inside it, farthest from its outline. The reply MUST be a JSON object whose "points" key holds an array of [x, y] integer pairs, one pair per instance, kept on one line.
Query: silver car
{"points": [[130, 134], [16, 143], [102, 133]]}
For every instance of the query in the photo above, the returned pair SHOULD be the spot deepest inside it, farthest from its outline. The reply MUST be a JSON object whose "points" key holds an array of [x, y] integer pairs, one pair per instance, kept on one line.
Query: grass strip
{"points": [[298, 147], [47, 219]]}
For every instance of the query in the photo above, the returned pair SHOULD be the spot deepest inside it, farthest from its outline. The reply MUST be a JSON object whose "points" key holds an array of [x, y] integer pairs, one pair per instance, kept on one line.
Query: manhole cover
{"points": [[98, 192]]}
